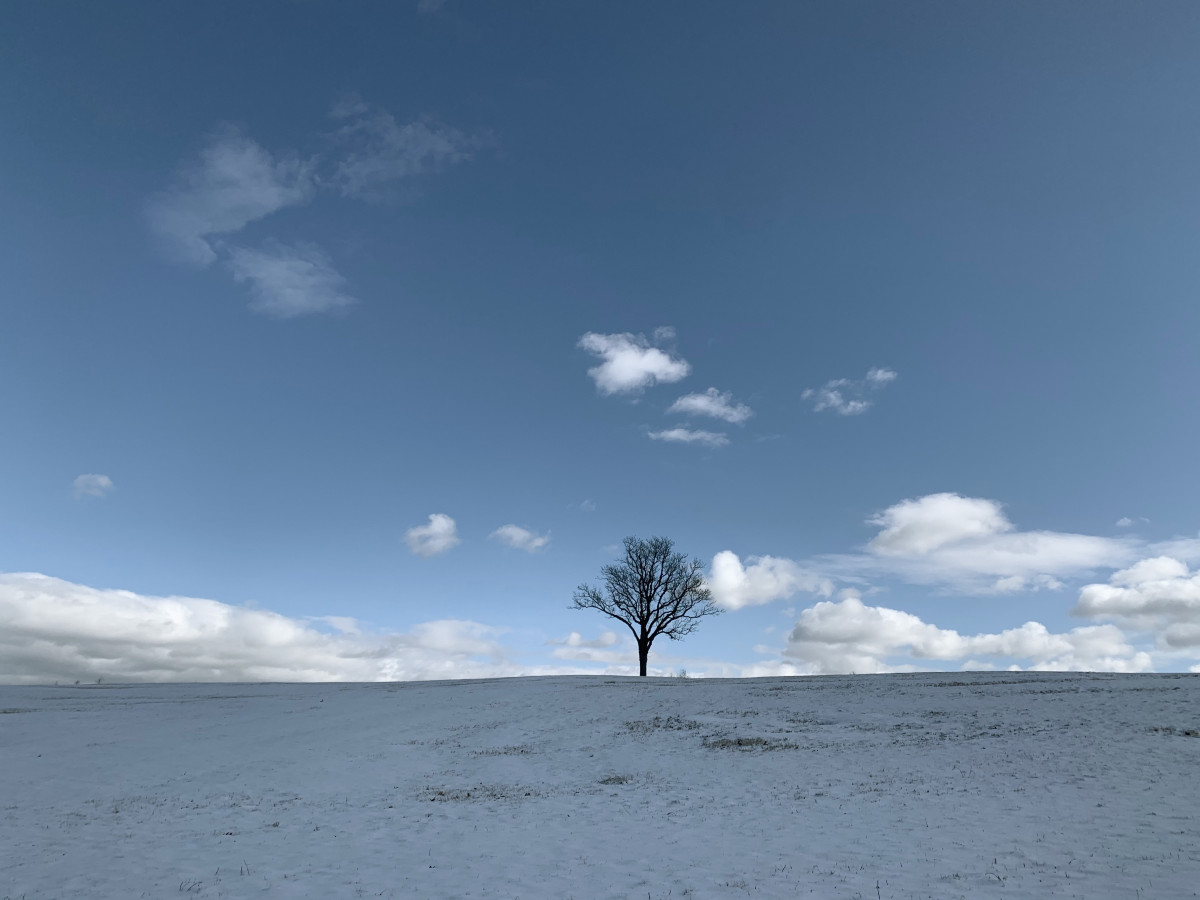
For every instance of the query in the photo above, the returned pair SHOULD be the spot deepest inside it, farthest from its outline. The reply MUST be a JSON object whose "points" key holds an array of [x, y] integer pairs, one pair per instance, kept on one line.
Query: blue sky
{"points": [[346, 343]]}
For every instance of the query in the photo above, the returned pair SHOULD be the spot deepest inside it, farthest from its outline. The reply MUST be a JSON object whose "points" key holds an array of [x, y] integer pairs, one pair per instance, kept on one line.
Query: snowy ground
{"points": [[940, 785]]}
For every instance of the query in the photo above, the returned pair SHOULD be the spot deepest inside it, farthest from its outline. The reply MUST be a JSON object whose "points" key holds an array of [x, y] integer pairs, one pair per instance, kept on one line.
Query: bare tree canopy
{"points": [[654, 591]]}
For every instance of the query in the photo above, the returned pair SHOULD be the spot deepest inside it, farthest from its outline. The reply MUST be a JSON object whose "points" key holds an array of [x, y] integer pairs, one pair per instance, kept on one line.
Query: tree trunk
{"points": [[643, 655]]}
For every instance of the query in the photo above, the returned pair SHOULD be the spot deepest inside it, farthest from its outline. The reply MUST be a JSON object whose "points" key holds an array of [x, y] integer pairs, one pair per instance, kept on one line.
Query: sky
{"points": [[346, 343]]}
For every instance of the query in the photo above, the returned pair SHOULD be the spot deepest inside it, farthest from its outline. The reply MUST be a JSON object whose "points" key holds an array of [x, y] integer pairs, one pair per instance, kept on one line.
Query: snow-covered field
{"points": [[935, 785]]}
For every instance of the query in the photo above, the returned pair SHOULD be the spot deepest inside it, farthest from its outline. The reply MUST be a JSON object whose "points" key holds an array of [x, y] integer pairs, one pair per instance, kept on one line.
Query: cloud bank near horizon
{"points": [[1146, 613], [55, 630], [968, 546], [834, 637]]}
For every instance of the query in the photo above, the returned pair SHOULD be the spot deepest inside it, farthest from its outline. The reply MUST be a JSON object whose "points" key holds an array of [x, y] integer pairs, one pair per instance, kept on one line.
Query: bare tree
{"points": [[654, 591]]}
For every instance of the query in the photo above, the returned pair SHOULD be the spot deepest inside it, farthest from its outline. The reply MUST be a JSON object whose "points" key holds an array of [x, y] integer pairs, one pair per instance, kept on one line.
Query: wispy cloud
{"points": [[1127, 522], [848, 397], [440, 535], [520, 538], [630, 363], [93, 486], [234, 182], [712, 403], [377, 151], [290, 281], [690, 436], [608, 647]]}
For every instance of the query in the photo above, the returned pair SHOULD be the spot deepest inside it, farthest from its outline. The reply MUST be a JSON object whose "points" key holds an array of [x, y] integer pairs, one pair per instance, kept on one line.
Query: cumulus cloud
{"points": [[440, 535], [690, 436], [630, 364], [969, 544], [712, 403], [763, 580], [378, 151], [54, 630], [850, 636], [520, 538], [923, 525], [1157, 594], [93, 486], [960, 544], [849, 397], [290, 281], [234, 182]]}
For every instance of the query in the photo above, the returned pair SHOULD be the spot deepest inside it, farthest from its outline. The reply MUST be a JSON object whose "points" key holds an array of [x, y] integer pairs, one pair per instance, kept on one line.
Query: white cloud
{"points": [[93, 486], [54, 630], [848, 397], [607, 648], [440, 535], [630, 364], [690, 436], [1184, 549], [234, 182], [712, 403], [1157, 594], [879, 377], [290, 281], [379, 151], [967, 543], [923, 525], [849, 636], [520, 538], [763, 580], [605, 639], [1128, 522]]}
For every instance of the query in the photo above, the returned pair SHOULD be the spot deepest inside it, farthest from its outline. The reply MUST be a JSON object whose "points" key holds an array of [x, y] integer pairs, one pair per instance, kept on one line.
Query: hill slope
{"points": [[903, 786]]}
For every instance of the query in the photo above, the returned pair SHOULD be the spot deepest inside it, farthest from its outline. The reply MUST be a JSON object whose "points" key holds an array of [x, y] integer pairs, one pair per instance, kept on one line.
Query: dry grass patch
{"points": [[661, 723], [748, 744]]}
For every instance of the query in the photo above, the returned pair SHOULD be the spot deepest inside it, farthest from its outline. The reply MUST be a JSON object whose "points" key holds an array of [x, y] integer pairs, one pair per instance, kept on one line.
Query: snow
{"points": [[998, 785]]}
